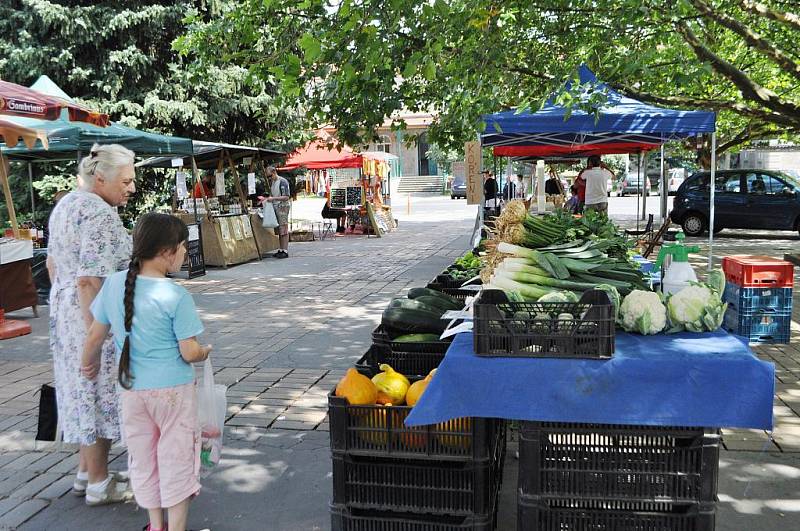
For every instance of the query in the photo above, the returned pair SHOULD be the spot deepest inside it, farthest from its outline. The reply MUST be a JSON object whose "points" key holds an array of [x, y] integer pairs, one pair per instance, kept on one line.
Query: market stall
{"points": [[619, 393], [16, 281], [358, 183], [231, 226], [69, 140], [622, 125]]}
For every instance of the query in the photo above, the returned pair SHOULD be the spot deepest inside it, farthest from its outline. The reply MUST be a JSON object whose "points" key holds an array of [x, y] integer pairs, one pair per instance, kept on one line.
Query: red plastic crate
{"points": [[758, 271]]}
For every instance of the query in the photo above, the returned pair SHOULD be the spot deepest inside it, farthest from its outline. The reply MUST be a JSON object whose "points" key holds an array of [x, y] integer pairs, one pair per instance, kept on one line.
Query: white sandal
{"points": [[114, 492]]}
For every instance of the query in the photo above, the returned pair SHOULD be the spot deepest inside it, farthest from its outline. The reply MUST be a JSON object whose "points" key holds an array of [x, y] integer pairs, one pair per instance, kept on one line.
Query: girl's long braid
{"points": [[124, 376]]}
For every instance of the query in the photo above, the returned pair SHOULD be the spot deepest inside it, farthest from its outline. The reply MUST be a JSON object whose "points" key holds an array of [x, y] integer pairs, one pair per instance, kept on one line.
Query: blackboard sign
{"points": [[353, 196], [338, 198], [195, 263]]}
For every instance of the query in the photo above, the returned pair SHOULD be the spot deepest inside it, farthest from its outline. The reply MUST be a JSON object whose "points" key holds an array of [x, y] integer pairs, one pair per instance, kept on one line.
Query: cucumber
{"points": [[455, 304], [416, 306], [412, 321], [416, 338]]}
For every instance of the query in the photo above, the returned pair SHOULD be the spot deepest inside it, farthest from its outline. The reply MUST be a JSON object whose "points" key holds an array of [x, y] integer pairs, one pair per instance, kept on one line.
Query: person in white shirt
{"points": [[596, 176]]}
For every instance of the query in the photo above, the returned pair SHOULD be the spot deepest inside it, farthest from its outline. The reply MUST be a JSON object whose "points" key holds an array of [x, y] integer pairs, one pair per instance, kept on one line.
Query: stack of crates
{"points": [[759, 295], [591, 477], [389, 477]]}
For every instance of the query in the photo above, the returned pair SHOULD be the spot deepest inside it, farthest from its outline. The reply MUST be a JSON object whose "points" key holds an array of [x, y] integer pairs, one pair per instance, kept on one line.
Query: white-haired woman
{"points": [[88, 243]]}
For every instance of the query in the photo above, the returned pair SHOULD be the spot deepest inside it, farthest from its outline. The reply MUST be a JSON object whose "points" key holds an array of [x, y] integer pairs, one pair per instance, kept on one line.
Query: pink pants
{"points": [[163, 438]]}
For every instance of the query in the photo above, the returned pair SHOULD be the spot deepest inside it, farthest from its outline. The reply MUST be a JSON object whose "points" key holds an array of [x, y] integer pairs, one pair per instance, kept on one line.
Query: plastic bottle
{"points": [[678, 273]]}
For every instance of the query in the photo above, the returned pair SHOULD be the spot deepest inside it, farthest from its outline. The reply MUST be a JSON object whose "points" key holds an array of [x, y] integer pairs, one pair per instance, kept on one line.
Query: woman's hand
{"points": [[89, 369], [90, 360]]}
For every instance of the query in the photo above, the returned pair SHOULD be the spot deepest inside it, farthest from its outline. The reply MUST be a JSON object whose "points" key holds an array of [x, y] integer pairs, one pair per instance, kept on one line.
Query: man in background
{"points": [[596, 176]]}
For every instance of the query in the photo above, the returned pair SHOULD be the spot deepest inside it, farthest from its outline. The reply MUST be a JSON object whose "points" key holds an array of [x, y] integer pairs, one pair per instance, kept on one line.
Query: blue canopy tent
{"points": [[621, 125]]}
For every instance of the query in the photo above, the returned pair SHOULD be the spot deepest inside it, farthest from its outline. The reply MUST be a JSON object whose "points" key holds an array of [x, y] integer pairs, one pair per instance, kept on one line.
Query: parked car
{"points": [[459, 189], [744, 199], [632, 184]]}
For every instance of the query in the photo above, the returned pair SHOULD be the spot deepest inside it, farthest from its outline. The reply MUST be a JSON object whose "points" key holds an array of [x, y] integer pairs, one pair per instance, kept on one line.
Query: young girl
{"points": [[155, 324]]}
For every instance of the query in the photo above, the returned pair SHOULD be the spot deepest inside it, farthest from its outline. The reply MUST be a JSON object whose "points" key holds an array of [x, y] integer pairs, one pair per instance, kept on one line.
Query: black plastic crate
{"points": [[407, 363], [346, 519], [460, 294], [415, 486], [534, 330], [543, 514], [379, 431], [447, 281], [383, 337], [592, 461]]}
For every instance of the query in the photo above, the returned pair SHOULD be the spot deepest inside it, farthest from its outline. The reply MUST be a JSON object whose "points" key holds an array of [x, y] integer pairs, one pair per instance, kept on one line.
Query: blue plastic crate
{"points": [[759, 326], [748, 300]]}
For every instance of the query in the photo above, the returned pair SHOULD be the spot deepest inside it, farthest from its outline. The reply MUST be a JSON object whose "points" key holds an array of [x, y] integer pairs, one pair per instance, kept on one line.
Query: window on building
{"points": [[384, 144]]}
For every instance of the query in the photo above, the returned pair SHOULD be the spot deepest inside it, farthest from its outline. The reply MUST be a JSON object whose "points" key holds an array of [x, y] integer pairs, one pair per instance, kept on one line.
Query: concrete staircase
{"points": [[431, 184]]}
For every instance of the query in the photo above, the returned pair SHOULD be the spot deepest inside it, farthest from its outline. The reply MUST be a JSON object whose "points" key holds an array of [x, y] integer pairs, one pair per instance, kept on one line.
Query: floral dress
{"points": [[87, 239]]}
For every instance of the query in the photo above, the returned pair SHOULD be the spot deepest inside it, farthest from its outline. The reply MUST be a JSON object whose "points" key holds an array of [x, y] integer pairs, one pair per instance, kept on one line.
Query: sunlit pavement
{"points": [[284, 331]]}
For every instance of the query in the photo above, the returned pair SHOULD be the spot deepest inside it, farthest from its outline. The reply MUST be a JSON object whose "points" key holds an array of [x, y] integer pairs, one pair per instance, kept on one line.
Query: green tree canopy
{"points": [[357, 61]]}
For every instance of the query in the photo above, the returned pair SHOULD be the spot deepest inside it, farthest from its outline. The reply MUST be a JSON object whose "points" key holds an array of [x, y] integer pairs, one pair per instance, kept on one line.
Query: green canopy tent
{"points": [[69, 139]]}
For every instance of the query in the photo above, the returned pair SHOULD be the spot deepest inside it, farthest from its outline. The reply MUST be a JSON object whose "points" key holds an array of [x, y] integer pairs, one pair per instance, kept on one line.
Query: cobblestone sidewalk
{"points": [[283, 332]]}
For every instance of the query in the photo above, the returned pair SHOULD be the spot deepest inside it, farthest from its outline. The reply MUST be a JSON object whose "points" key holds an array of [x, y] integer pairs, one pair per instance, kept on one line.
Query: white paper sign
{"points": [[220, 186], [177, 163], [247, 160], [251, 183], [194, 233], [180, 185]]}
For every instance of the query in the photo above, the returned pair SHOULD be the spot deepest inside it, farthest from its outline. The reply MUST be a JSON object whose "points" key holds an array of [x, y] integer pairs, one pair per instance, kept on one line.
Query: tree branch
{"points": [[749, 88], [761, 10], [752, 38], [738, 108]]}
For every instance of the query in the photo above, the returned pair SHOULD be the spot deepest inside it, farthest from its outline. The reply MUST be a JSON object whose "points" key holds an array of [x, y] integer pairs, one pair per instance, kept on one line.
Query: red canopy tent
{"points": [[316, 156], [17, 100]]}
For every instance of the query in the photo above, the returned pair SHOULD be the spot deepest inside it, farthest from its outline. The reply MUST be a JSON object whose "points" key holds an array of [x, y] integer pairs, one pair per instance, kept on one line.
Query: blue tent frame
{"points": [[621, 125]]}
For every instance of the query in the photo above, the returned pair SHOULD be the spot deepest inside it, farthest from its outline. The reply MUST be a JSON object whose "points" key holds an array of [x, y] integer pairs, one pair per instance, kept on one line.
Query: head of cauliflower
{"points": [[643, 312], [689, 304]]}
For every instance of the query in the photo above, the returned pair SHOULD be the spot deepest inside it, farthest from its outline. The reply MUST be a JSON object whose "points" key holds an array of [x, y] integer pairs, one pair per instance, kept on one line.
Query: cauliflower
{"points": [[643, 312], [559, 296], [696, 308]]}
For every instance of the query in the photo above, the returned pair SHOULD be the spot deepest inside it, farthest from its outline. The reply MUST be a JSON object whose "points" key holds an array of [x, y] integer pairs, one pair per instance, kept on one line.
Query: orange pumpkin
{"points": [[376, 420], [460, 428], [417, 388], [356, 388]]}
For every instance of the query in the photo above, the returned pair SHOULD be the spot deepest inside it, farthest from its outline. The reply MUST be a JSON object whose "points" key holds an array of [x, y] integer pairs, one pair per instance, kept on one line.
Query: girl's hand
{"points": [[205, 351]]}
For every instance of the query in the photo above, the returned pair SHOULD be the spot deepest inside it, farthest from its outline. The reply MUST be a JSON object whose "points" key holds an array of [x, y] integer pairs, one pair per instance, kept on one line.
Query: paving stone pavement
{"points": [[283, 332]]}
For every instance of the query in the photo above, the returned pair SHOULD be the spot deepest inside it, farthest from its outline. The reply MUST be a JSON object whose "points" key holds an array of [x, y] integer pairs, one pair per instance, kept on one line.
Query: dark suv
{"points": [[744, 199]]}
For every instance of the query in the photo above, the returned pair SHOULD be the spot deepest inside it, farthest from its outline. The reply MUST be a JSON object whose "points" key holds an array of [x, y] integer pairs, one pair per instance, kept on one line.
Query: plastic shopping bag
{"points": [[270, 220], [212, 408]]}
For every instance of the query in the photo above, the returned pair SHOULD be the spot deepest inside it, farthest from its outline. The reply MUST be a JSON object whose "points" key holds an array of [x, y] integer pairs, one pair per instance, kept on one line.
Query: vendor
{"points": [[207, 181], [339, 214]]}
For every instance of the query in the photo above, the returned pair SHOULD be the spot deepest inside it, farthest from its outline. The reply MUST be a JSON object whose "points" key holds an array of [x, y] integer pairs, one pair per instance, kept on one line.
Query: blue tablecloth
{"points": [[709, 380]]}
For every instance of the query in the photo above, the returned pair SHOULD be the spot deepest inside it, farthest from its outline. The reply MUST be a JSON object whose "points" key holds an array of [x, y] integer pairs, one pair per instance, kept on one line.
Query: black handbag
{"points": [[48, 414]]}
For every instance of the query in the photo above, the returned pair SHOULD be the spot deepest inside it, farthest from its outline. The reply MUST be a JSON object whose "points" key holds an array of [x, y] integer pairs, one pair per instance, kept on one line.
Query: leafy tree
{"points": [[118, 57], [361, 60]]}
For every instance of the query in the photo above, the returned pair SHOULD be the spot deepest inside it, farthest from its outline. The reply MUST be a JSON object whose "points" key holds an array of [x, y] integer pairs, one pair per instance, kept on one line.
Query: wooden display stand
{"points": [[226, 239]]}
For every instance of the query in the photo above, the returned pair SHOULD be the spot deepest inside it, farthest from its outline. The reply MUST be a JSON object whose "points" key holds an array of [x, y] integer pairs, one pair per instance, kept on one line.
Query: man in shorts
{"points": [[280, 197]]}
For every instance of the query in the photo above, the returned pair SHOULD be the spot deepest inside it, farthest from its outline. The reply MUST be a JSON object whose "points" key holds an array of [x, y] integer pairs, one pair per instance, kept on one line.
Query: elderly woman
{"points": [[88, 243]]}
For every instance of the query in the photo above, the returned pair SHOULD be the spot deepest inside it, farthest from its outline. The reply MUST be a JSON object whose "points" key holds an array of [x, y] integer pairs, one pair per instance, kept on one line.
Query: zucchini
{"points": [[438, 303], [412, 321], [415, 306], [416, 338], [413, 293]]}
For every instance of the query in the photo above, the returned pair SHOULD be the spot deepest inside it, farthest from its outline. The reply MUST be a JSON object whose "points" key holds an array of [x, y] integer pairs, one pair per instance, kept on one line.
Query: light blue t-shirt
{"points": [[163, 314]]}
